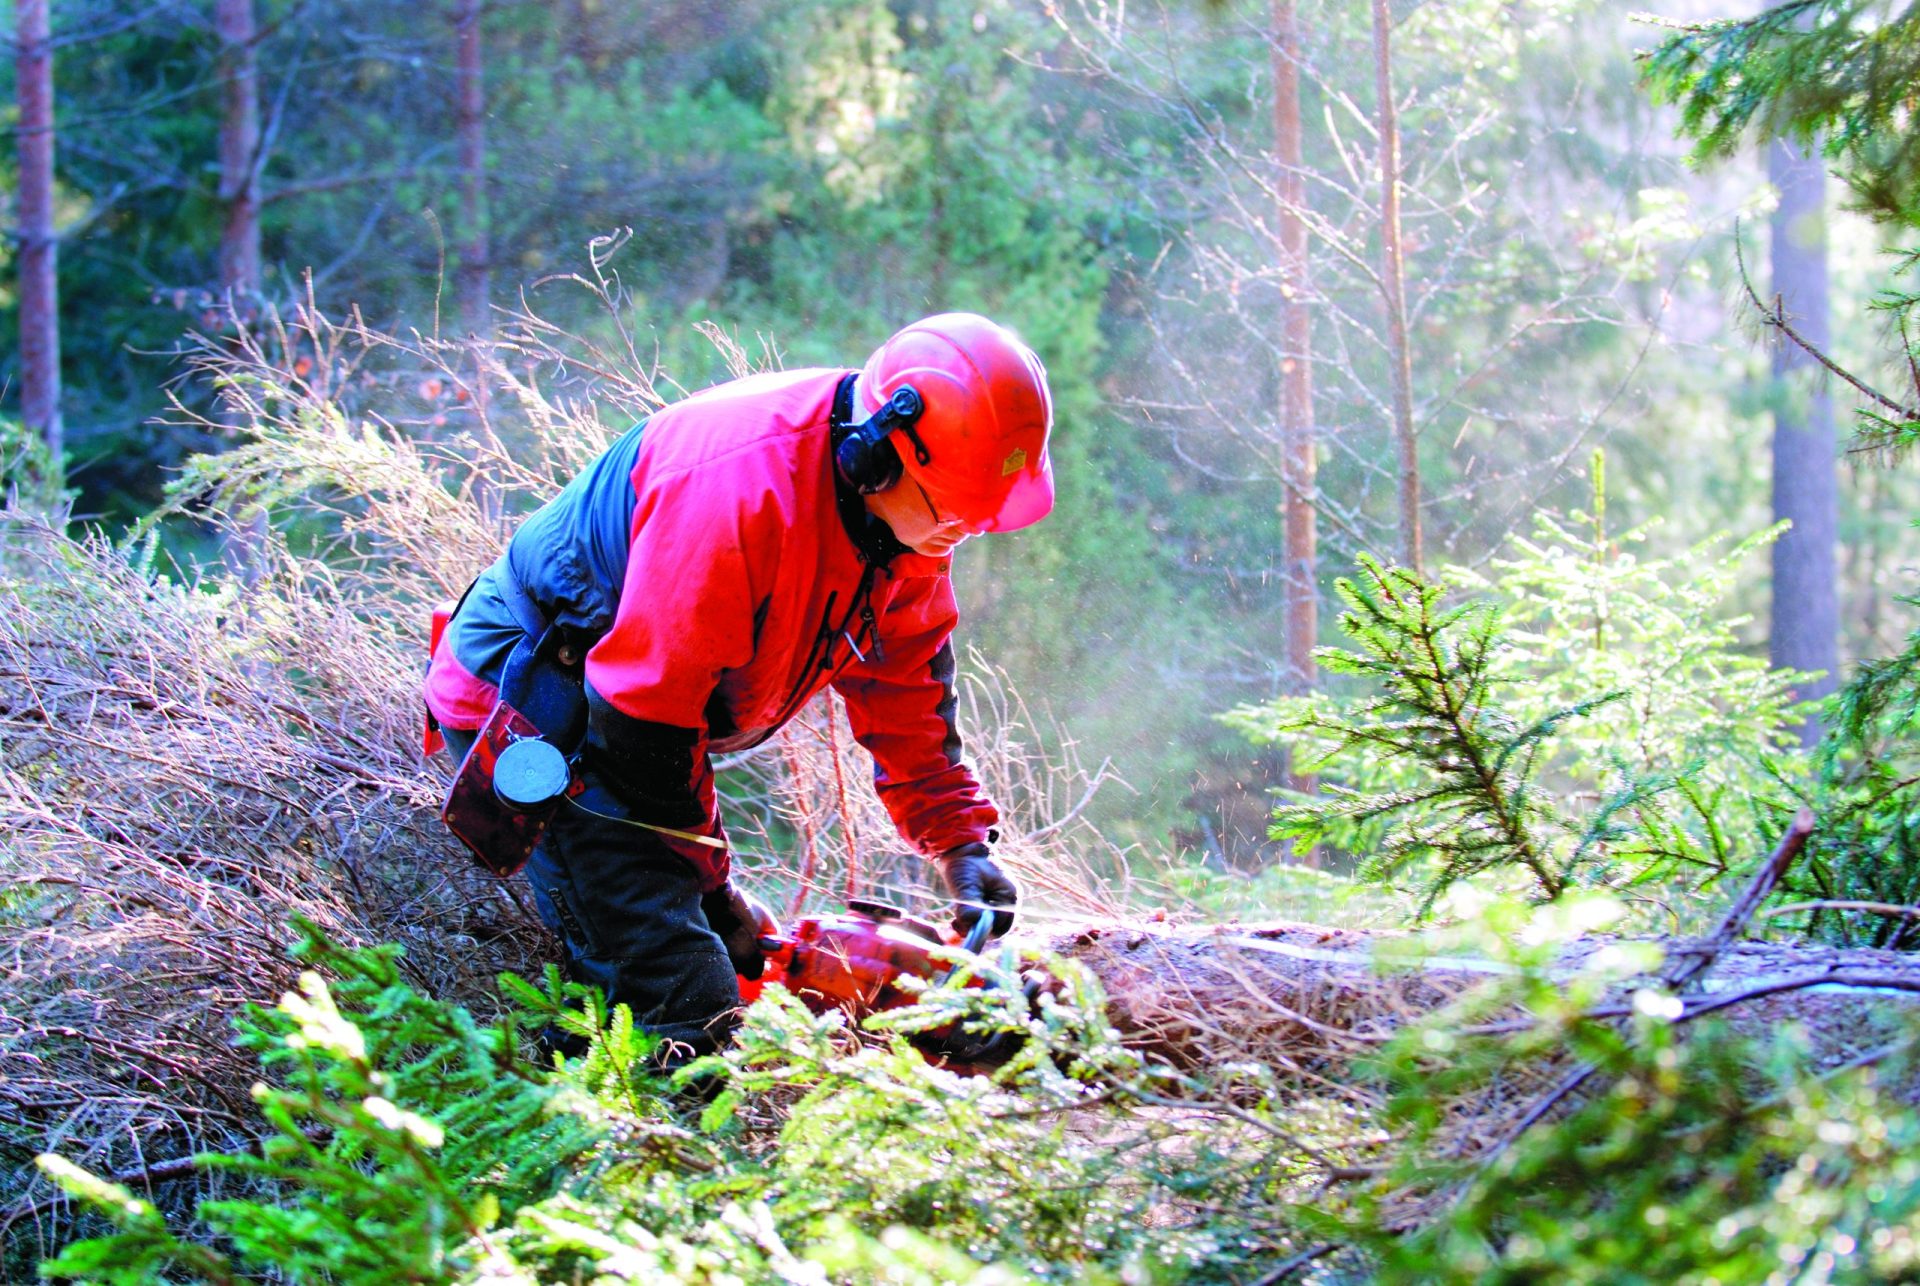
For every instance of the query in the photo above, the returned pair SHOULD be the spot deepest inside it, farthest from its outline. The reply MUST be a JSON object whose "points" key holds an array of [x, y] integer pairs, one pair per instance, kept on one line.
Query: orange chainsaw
{"points": [[853, 961]]}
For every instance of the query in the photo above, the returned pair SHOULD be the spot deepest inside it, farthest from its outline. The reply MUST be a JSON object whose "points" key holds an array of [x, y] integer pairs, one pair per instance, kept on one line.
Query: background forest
{"points": [[1483, 532]]}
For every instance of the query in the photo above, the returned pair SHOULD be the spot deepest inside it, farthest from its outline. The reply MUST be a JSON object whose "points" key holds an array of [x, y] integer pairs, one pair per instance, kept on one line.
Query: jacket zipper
{"points": [[861, 605]]}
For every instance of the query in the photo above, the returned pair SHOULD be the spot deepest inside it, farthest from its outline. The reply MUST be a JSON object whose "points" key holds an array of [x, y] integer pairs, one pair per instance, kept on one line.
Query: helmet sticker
{"points": [[1016, 460]]}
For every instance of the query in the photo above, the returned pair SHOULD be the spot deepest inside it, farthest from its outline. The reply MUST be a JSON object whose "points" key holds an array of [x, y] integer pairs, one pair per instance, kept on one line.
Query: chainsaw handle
{"points": [[976, 938]]}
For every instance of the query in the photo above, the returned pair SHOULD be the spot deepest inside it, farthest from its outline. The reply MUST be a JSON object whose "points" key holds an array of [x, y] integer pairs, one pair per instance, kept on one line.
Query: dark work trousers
{"points": [[628, 911]]}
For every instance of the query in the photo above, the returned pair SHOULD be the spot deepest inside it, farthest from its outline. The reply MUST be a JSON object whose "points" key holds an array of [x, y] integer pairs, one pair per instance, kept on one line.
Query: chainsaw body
{"points": [[854, 960]]}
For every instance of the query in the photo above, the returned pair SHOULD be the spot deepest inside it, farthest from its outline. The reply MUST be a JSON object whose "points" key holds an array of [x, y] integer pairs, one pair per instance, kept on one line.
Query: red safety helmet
{"points": [[985, 426]]}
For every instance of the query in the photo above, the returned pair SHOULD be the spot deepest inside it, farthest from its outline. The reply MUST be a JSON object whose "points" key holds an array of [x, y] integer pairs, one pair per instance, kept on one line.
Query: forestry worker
{"points": [[690, 591]]}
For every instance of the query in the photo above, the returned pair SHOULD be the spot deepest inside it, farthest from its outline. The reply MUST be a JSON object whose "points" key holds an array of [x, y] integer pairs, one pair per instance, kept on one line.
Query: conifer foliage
{"points": [[1702, 1157], [1590, 719], [407, 1142], [1476, 804], [1862, 878], [398, 1127], [1838, 73]]}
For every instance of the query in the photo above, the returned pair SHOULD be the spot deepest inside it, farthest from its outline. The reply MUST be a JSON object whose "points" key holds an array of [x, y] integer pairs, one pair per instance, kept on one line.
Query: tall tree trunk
{"points": [[1299, 588], [240, 277], [39, 253], [1805, 628], [239, 151], [1298, 465], [1393, 288], [475, 269]]}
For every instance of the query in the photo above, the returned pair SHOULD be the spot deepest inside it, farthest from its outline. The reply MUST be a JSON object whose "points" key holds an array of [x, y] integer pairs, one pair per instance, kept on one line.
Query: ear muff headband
{"points": [[866, 458]]}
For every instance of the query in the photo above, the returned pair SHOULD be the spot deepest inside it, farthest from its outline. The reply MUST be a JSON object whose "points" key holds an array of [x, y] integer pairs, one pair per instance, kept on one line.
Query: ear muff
{"points": [[864, 455], [867, 460]]}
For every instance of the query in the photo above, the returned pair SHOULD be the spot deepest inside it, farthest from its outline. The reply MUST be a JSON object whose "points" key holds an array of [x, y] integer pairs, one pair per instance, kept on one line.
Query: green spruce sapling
{"points": [[1589, 719]]}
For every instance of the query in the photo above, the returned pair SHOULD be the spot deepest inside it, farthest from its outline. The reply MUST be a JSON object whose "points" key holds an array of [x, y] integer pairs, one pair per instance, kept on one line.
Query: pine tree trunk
{"points": [[1299, 590], [39, 253], [239, 152], [240, 164], [475, 269], [1393, 288], [1805, 630]]}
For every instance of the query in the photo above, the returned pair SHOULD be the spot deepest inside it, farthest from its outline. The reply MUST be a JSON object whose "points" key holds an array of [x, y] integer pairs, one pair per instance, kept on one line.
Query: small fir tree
{"points": [[1598, 724]]}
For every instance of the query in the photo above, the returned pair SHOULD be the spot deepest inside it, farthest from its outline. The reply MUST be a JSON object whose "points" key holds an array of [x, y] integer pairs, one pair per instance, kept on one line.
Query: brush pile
{"points": [[182, 769]]}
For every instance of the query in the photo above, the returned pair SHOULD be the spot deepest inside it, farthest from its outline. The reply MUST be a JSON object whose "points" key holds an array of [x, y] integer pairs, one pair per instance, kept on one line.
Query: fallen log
{"points": [[1310, 998]]}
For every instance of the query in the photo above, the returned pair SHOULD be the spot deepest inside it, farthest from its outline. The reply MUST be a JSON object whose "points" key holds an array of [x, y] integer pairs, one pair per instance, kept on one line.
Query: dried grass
{"points": [[805, 820], [182, 769]]}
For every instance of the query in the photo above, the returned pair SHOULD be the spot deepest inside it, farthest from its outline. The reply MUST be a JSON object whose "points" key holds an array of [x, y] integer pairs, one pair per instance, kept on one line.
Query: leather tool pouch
{"points": [[515, 776], [506, 791]]}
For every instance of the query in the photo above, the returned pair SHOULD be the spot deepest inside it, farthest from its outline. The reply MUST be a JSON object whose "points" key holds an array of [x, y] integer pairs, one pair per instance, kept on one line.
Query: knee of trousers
{"points": [[629, 913]]}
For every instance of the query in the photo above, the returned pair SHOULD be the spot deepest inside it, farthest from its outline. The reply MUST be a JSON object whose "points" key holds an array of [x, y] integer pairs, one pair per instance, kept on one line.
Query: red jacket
{"points": [[728, 577]]}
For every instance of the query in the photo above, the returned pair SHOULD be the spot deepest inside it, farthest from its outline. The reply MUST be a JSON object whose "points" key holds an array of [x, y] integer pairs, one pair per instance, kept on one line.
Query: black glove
{"points": [[741, 920], [975, 883]]}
